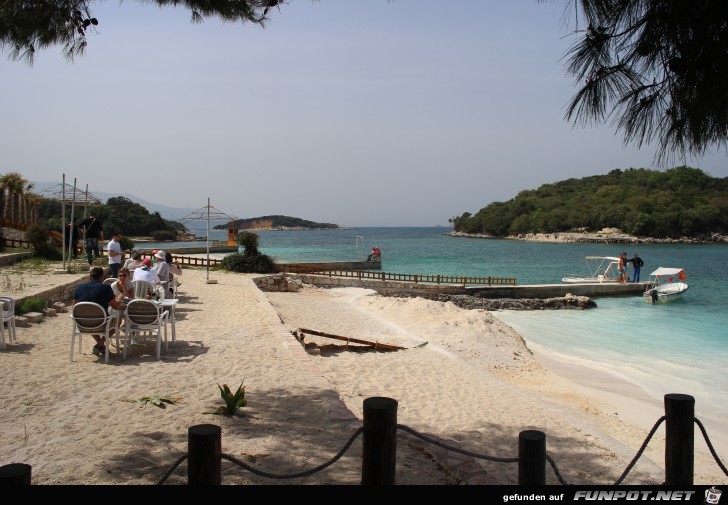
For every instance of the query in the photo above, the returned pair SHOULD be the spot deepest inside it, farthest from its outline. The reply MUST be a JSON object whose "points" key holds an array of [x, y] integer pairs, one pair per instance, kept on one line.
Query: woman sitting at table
{"points": [[123, 287]]}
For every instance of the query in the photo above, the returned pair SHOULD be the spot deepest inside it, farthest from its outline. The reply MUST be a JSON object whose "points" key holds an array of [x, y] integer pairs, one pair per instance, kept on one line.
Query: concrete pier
{"points": [[556, 290]]}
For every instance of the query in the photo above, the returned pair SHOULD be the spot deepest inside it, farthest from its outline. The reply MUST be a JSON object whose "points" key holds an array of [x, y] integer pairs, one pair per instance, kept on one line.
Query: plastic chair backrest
{"points": [[144, 312], [89, 317], [7, 307], [142, 288]]}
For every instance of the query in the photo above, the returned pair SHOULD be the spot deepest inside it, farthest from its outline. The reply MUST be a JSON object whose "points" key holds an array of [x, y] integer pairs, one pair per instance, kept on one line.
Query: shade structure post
{"points": [[63, 218], [71, 225], [208, 239], [207, 213]]}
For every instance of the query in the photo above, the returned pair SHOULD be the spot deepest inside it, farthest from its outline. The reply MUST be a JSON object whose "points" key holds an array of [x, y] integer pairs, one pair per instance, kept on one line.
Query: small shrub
{"points": [[245, 263], [249, 241], [37, 235], [30, 304], [49, 252]]}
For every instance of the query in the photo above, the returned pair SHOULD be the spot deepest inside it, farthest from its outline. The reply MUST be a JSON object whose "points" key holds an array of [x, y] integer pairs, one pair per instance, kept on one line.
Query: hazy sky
{"points": [[360, 113]]}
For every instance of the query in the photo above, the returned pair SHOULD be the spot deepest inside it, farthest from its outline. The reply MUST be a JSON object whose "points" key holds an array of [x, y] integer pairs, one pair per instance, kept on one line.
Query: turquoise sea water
{"points": [[678, 347]]}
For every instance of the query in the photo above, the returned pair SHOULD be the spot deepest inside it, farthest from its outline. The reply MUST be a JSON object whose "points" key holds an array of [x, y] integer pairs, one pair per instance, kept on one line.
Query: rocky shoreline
{"points": [[476, 302], [605, 237]]}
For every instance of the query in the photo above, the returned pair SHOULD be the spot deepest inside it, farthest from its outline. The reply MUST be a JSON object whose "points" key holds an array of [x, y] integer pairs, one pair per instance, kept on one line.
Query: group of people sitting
{"points": [[160, 269], [161, 272], [375, 255]]}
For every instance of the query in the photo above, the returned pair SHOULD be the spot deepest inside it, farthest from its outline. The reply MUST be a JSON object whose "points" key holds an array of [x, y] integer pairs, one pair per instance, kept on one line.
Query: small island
{"points": [[277, 223]]}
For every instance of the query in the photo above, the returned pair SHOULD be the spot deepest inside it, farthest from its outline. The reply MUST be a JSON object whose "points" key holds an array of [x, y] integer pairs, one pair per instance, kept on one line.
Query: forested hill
{"points": [[277, 223], [678, 202]]}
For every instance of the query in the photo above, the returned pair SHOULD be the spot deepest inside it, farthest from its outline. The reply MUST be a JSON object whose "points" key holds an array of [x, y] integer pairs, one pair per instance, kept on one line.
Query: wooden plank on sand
{"points": [[376, 345]]}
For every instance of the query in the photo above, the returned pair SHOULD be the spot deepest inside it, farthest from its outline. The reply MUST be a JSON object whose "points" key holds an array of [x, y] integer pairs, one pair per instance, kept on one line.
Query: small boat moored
{"points": [[666, 284], [598, 269]]}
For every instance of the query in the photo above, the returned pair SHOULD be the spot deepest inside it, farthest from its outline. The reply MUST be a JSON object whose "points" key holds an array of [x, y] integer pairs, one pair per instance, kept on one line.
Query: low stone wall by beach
{"points": [[293, 282], [12, 258]]}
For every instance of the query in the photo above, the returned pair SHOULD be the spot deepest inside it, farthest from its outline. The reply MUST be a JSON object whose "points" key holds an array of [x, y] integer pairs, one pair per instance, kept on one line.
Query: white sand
{"points": [[476, 382], [474, 385]]}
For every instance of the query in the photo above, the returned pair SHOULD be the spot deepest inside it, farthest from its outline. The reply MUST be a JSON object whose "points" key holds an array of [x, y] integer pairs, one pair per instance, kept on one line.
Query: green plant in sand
{"points": [[233, 401], [30, 304], [160, 401]]}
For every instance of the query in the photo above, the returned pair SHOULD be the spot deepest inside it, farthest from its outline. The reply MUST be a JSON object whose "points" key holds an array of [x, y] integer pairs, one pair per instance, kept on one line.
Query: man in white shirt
{"points": [[146, 273], [113, 251]]}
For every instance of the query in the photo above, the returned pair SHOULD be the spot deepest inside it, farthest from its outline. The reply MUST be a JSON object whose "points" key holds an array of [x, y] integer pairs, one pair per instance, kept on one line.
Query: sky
{"points": [[359, 113]]}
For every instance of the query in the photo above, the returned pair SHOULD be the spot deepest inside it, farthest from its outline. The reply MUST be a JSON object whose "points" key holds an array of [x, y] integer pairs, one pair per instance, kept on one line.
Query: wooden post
{"points": [[679, 439], [531, 458], [204, 442], [379, 449], [15, 474]]}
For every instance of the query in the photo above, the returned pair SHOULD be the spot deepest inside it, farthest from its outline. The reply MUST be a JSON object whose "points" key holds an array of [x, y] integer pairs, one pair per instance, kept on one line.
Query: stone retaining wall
{"points": [[13, 258], [293, 282], [62, 294]]}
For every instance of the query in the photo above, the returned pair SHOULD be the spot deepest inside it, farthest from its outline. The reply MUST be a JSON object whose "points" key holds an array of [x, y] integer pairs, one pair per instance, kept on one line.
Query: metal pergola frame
{"points": [[207, 213], [60, 193]]}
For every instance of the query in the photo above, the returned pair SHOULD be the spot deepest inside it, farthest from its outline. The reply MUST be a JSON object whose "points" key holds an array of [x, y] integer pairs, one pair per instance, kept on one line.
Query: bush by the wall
{"points": [[246, 263], [30, 304]]}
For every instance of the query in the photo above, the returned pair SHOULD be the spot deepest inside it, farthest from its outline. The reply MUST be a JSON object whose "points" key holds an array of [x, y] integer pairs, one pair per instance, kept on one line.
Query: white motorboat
{"points": [[598, 269], [666, 284]]}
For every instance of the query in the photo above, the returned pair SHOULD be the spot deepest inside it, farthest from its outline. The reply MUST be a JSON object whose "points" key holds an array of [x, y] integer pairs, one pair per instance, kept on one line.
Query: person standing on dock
{"points": [[622, 268], [637, 264]]}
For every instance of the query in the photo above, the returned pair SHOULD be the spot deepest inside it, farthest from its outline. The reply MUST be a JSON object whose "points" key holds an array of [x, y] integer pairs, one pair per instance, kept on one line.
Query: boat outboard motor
{"points": [[653, 295]]}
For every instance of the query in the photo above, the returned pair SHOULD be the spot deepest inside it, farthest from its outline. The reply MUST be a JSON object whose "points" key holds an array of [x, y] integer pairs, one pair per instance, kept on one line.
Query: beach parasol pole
{"points": [[70, 231], [208, 240], [63, 219]]}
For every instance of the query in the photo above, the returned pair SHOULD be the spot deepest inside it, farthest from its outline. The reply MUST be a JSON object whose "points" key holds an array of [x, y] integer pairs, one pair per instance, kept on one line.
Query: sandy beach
{"points": [[464, 378]]}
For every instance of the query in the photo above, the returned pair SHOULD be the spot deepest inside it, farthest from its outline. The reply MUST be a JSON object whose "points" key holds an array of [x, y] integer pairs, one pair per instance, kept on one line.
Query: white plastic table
{"points": [[170, 304]]}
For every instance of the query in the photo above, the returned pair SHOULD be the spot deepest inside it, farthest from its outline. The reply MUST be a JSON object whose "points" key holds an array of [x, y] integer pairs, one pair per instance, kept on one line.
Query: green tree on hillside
{"points": [[681, 201], [118, 213], [17, 202]]}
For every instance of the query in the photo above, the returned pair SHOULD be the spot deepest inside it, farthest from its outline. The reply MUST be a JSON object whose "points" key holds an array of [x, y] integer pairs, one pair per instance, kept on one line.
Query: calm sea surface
{"points": [[678, 347]]}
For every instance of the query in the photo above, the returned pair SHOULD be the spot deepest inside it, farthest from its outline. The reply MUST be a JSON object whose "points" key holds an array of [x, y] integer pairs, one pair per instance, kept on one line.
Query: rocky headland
{"points": [[606, 236]]}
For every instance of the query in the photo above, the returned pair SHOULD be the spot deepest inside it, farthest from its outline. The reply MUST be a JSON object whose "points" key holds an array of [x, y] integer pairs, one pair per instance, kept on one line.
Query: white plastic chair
{"points": [[169, 288], [91, 318], [144, 320], [7, 310], [142, 288], [110, 280]]}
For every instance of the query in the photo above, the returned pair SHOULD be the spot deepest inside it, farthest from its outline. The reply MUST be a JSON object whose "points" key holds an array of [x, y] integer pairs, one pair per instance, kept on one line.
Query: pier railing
{"points": [[390, 276], [295, 268]]}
